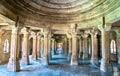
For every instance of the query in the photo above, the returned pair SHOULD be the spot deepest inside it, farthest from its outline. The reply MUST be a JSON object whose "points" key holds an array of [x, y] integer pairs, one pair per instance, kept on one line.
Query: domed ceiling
{"points": [[60, 11]]}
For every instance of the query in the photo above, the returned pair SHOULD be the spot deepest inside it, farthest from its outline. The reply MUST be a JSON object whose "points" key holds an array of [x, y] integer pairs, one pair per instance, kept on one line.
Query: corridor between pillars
{"points": [[74, 57], [25, 56], [13, 64], [105, 47], [94, 56]]}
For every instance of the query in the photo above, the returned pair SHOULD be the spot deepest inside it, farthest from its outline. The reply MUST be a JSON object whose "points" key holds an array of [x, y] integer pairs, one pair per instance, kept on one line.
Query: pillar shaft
{"points": [[49, 48], [38, 47], [105, 50], [53, 46], [80, 47], [45, 55], [85, 47], [42, 47], [70, 48], [74, 57], [13, 64], [25, 54], [34, 52], [94, 56]]}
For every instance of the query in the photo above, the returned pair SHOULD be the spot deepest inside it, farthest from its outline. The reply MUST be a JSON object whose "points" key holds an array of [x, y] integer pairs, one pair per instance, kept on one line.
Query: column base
{"points": [[85, 56], [45, 61], [74, 60], [69, 57], [104, 66], [24, 62], [74, 63], [13, 66], [34, 57], [94, 61]]}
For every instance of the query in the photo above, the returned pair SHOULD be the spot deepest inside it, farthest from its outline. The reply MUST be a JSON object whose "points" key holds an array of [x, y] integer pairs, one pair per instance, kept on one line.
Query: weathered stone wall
{"points": [[4, 56]]}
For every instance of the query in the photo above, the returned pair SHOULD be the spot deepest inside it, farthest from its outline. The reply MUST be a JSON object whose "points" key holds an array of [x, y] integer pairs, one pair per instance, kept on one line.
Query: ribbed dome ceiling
{"points": [[61, 11]]}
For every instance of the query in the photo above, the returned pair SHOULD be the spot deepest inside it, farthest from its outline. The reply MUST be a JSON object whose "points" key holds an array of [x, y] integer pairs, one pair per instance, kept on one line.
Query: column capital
{"points": [[107, 27], [39, 34], [93, 32], [69, 36], [24, 30], [85, 35]]}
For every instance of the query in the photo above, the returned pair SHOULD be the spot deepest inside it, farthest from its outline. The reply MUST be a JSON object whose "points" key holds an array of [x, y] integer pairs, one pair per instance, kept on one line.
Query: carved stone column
{"points": [[38, 45], [34, 52], [85, 46], [53, 46], [70, 48], [49, 47], [74, 57], [105, 47], [94, 55], [25, 42], [80, 47], [42, 46], [65, 45], [13, 64], [45, 55], [118, 45]]}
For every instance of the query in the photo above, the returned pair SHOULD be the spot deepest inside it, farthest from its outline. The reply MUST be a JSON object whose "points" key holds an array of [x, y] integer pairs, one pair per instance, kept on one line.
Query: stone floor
{"points": [[59, 66]]}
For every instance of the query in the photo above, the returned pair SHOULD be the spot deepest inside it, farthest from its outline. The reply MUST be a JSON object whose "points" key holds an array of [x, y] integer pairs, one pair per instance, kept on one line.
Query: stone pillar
{"points": [[45, 55], [53, 46], [49, 47], [85, 46], [42, 47], [25, 54], [74, 57], [38, 46], [80, 47], [13, 64], [105, 47], [65, 45], [70, 48], [94, 54], [118, 45], [34, 52]]}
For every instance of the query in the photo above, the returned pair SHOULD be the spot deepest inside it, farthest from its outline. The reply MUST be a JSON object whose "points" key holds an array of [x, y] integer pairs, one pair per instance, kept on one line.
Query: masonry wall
{"points": [[4, 56]]}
